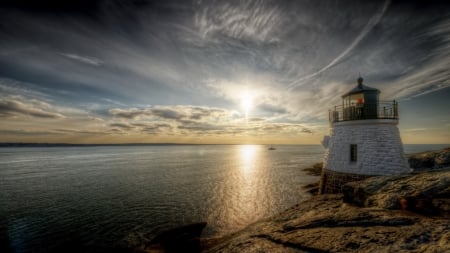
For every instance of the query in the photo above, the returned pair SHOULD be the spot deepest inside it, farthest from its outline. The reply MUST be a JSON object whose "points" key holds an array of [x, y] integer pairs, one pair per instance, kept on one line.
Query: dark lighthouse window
{"points": [[353, 152]]}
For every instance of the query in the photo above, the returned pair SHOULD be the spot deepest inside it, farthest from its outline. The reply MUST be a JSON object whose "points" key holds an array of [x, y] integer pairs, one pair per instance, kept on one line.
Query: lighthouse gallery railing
{"points": [[382, 110]]}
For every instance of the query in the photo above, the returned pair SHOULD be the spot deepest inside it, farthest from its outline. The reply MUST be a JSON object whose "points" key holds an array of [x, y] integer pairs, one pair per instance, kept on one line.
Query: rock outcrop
{"points": [[430, 160], [181, 239], [314, 170], [425, 193], [374, 218]]}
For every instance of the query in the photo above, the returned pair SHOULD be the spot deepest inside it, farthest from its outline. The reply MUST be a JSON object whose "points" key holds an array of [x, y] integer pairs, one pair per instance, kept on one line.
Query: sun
{"points": [[246, 102]]}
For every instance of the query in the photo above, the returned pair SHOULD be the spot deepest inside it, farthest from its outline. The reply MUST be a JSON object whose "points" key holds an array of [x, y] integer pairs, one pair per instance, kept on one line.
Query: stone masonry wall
{"points": [[332, 182], [379, 148]]}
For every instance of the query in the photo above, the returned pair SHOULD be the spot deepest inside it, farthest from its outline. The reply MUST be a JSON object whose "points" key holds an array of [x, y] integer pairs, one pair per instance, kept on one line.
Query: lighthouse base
{"points": [[333, 182]]}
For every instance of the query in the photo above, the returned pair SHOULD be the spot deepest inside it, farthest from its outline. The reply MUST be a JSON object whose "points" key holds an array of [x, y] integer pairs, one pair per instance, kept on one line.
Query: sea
{"points": [[103, 198]]}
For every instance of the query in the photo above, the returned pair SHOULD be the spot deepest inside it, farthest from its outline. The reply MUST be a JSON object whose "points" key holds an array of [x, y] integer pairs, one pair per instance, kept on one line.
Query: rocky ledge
{"points": [[430, 160], [380, 214]]}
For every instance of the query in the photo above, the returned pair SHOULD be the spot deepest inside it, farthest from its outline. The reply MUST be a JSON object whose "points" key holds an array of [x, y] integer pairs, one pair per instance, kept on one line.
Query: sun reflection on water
{"points": [[248, 154], [245, 190]]}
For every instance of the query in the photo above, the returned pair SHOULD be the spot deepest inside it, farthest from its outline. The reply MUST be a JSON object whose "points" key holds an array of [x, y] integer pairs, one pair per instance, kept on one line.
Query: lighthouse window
{"points": [[353, 152]]}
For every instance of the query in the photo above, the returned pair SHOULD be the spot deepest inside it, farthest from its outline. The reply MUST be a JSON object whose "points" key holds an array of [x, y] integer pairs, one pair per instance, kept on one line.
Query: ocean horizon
{"points": [[98, 198]]}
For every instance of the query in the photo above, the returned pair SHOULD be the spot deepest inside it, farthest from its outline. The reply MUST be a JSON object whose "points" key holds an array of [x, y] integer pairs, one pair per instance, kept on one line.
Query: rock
{"points": [[312, 188], [430, 160], [442, 158], [315, 170], [426, 193], [180, 239], [325, 223]]}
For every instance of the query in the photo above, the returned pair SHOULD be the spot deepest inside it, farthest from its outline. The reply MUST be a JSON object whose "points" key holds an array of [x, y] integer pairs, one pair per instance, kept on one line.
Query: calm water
{"points": [[94, 198], [83, 199]]}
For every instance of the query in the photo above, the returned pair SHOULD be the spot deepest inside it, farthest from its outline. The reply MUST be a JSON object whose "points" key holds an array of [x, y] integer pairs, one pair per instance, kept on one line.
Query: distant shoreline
{"points": [[30, 144], [24, 144], [92, 145]]}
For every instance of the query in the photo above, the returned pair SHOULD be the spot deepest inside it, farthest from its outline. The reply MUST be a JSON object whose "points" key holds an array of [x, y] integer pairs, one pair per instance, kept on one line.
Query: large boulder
{"points": [[426, 193], [430, 160]]}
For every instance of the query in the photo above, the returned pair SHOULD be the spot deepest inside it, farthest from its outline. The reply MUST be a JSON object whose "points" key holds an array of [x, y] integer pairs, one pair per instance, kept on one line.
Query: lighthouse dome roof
{"points": [[360, 88]]}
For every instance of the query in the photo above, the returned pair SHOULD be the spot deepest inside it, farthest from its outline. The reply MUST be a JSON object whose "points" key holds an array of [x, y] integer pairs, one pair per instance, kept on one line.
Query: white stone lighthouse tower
{"points": [[364, 140]]}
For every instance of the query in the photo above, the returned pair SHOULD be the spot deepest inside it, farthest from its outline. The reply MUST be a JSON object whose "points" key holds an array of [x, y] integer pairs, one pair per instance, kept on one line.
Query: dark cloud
{"points": [[256, 119], [306, 130], [127, 113], [272, 108], [165, 113], [80, 7], [22, 132], [14, 106], [121, 125], [77, 131], [200, 127], [148, 127], [170, 112]]}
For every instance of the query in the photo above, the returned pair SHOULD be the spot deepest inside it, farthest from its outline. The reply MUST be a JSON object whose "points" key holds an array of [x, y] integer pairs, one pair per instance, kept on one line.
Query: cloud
{"points": [[432, 74], [195, 120], [84, 59], [122, 125], [171, 112], [13, 87], [373, 21], [277, 109], [250, 20], [16, 106], [79, 131], [127, 113], [22, 132], [144, 127]]}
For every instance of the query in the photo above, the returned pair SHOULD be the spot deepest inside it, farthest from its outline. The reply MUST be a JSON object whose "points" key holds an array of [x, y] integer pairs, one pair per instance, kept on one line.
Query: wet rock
{"points": [[180, 239], [314, 170], [312, 188]]}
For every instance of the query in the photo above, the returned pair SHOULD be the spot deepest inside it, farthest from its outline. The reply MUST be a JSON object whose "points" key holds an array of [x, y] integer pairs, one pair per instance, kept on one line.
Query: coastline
{"points": [[343, 223], [400, 213]]}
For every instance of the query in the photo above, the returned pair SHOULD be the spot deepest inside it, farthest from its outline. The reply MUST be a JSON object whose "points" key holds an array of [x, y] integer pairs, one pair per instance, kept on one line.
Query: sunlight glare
{"points": [[247, 103]]}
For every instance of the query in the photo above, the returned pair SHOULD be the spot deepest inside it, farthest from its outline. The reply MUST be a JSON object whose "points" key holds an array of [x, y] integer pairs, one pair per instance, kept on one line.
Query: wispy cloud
{"points": [[84, 59], [250, 20], [373, 21]]}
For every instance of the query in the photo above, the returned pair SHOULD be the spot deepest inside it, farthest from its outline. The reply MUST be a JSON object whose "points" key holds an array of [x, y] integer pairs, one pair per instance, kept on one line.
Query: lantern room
{"points": [[362, 102]]}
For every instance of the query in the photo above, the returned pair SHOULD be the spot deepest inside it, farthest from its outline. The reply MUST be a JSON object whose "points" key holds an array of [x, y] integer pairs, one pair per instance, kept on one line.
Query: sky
{"points": [[216, 72]]}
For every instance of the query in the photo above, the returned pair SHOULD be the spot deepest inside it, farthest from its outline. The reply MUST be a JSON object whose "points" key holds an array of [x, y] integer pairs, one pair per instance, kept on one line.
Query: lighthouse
{"points": [[364, 140]]}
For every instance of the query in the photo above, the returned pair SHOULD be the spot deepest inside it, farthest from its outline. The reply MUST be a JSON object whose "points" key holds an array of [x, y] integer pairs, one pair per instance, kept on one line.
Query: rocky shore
{"points": [[382, 214], [430, 160], [405, 213]]}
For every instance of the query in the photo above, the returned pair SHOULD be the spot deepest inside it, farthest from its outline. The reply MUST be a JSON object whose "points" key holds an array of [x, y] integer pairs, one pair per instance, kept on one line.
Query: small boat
{"points": [[271, 148]]}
